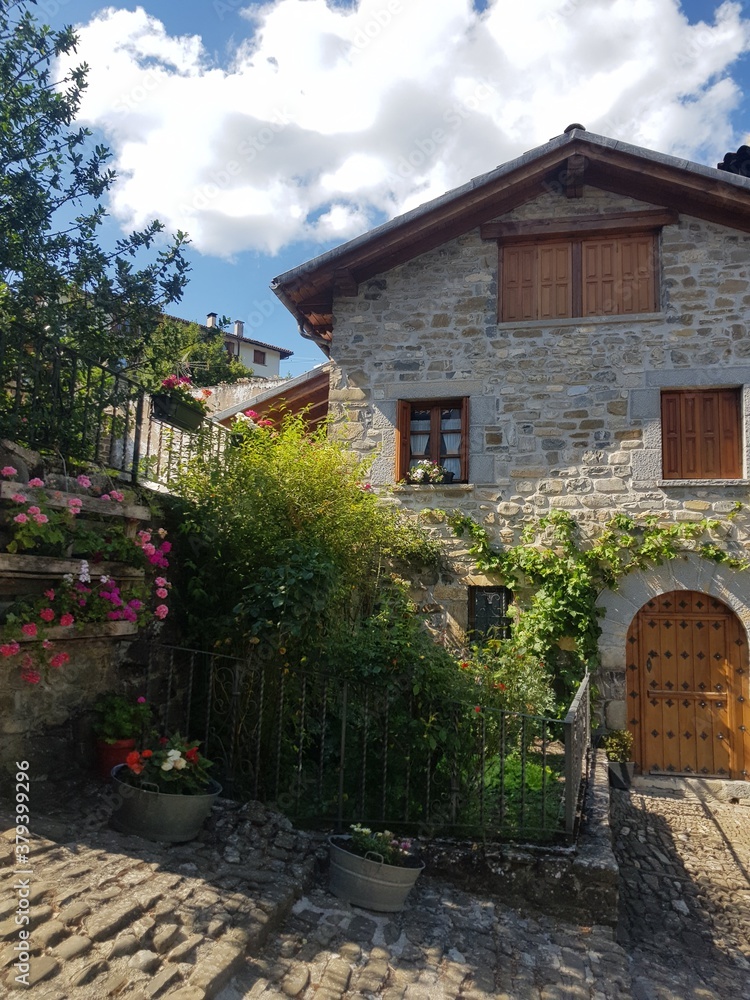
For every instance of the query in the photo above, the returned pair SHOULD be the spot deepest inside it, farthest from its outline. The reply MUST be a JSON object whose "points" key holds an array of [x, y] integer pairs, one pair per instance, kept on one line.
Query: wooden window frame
{"points": [[403, 438], [701, 433], [503, 629], [259, 357], [578, 235]]}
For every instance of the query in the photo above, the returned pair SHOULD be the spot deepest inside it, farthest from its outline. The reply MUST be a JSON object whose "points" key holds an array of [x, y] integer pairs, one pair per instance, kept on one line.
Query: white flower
{"points": [[68, 578], [180, 763], [173, 754], [103, 579], [83, 574], [167, 765]]}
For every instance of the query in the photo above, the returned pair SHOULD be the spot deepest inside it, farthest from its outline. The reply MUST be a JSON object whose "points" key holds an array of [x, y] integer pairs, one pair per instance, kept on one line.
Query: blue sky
{"points": [[273, 131]]}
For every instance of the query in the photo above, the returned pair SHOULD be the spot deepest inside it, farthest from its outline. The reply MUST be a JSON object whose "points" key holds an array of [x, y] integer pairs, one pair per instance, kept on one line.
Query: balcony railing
{"points": [[54, 401]]}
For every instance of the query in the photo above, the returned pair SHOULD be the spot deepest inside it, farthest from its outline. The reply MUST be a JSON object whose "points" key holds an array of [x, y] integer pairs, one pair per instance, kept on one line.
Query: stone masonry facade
{"points": [[564, 416]]}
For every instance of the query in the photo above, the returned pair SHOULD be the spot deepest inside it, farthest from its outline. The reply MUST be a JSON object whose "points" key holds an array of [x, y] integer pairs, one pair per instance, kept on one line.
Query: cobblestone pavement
{"points": [[241, 914], [684, 894]]}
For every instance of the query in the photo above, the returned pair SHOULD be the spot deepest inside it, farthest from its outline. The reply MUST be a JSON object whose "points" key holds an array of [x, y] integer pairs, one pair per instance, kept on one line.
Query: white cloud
{"points": [[327, 119]]}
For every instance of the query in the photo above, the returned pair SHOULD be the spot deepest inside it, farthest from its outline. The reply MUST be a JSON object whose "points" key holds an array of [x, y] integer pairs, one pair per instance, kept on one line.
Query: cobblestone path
{"points": [[684, 895], [239, 915]]}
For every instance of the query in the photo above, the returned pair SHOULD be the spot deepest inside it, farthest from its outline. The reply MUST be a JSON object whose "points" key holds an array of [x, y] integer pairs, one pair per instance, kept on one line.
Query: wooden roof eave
{"points": [[651, 178]]}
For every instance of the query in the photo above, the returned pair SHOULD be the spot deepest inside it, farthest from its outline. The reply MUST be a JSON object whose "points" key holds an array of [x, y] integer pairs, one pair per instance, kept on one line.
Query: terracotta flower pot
{"points": [[109, 755]]}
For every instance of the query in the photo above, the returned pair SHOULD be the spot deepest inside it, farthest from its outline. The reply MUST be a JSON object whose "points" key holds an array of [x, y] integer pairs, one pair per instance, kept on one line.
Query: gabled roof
{"points": [[564, 163]]}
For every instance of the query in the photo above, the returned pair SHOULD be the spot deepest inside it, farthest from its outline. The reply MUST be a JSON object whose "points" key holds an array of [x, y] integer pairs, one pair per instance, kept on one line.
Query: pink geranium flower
{"points": [[66, 619], [29, 629], [18, 498], [33, 510], [30, 676], [161, 612], [8, 471], [9, 649], [20, 519], [84, 481], [105, 496], [118, 497], [59, 659], [162, 593], [41, 518], [47, 614], [160, 581], [36, 483]]}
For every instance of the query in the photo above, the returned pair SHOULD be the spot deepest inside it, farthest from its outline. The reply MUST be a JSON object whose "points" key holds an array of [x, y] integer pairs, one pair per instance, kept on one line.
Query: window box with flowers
{"points": [[86, 599], [177, 404], [165, 793]]}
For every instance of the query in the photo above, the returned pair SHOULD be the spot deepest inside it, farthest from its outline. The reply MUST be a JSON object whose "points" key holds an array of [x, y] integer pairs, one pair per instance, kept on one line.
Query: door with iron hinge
{"points": [[688, 704]]}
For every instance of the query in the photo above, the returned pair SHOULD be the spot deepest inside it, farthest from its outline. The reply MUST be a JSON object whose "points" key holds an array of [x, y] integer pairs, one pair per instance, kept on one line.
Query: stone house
{"points": [[569, 331]]}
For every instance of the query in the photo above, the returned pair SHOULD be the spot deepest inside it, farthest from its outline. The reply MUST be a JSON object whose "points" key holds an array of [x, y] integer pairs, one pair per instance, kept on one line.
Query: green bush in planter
{"points": [[618, 745], [120, 718]]}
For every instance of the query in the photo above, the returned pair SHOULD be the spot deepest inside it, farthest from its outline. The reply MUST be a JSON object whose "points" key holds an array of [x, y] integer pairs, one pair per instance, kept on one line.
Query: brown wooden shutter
{"points": [[599, 265], [637, 274], [403, 418], [518, 292], [555, 281], [701, 434], [465, 439], [730, 417], [670, 435]]}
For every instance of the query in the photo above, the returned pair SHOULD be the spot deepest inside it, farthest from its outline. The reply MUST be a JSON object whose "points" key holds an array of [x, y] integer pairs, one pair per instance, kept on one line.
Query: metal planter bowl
{"points": [[369, 883], [158, 815]]}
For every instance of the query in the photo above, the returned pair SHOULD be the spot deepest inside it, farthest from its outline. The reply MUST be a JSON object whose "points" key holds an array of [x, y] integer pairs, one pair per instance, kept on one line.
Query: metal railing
{"points": [[331, 750], [54, 401], [577, 743]]}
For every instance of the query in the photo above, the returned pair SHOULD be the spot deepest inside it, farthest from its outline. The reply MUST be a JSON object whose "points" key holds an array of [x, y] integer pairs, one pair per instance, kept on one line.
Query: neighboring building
{"points": [[263, 359], [306, 393], [570, 331]]}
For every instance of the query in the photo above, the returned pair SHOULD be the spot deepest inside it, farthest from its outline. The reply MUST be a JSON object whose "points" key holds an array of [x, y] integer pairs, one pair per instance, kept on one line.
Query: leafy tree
{"points": [[286, 551], [178, 344], [60, 280]]}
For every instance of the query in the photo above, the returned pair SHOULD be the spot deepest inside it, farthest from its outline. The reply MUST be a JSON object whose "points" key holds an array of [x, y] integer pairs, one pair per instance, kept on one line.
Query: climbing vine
{"points": [[557, 575]]}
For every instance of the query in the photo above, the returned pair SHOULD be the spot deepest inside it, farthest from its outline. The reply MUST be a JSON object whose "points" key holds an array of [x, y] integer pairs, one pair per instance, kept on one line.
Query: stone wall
{"points": [[561, 417]]}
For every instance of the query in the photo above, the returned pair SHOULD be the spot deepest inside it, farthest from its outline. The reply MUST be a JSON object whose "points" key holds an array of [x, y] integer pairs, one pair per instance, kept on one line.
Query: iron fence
{"points": [[330, 751], [54, 401]]}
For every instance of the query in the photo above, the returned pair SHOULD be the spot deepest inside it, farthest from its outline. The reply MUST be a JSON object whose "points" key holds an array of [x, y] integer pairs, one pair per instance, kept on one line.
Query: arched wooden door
{"points": [[687, 687]]}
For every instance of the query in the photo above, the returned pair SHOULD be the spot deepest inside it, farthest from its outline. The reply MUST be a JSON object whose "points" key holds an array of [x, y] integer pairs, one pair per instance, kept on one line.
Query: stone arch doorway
{"points": [[687, 695]]}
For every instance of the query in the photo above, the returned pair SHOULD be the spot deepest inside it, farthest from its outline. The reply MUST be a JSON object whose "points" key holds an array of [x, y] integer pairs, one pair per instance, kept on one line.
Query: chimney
{"points": [[211, 319], [239, 328]]}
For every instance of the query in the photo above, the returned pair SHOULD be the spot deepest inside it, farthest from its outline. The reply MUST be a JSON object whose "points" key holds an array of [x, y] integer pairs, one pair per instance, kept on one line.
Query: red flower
{"points": [[29, 629], [46, 614], [147, 753], [66, 619], [192, 755], [133, 760], [464, 665], [477, 708]]}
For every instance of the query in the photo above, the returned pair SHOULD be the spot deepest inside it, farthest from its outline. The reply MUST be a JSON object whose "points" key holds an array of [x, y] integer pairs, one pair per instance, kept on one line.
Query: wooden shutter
{"points": [[518, 291], [555, 281], [618, 275], [403, 419], [701, 434], [637, 274]]}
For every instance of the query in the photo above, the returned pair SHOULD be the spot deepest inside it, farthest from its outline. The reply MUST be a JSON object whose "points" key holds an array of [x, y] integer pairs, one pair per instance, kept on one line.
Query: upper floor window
{"points": [[578, 276], [436, 430], [701, 434], [259, 357]]}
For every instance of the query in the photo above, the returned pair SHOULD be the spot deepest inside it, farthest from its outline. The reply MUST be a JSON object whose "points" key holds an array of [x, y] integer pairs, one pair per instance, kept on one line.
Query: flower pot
{"points": [[109, 755], [369, 882], [159, 815], [176, 412]]}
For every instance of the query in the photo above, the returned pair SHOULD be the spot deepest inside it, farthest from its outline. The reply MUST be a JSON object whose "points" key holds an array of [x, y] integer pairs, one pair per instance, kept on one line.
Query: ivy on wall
{"points": [[558, 574]]}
